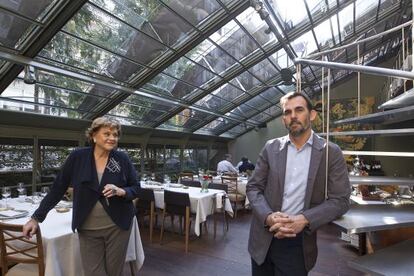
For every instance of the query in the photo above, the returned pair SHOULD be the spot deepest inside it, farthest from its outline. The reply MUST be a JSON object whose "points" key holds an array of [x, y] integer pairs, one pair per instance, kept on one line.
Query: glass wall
{"points": [[16, 163], [172, 159], [51, 160]]}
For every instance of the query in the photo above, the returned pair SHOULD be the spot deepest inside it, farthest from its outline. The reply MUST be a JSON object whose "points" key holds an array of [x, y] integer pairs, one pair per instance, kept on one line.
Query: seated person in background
{"points": [[246, 165], [240, 163], [225, 166]]}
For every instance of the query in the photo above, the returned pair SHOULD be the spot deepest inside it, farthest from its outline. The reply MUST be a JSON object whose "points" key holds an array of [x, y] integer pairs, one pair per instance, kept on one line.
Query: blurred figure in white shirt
{"points": [[225, 166]]}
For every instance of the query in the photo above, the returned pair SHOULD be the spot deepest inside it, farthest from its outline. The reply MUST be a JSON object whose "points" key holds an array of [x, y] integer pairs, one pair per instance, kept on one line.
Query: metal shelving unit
{"points": [[384, 117], [381, 180]]}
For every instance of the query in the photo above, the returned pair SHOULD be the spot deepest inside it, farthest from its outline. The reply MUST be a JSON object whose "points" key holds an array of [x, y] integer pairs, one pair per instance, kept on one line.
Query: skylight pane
{"points": [[234, 40], [304, 45], [280, 58], [334, 21], [323, 34], [15, 30], [251, 21], [264, 70], [291, 16], [346, 18]]}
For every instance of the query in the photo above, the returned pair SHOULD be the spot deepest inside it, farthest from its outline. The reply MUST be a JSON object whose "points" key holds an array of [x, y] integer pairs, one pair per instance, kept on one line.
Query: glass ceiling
{"points": [[198, 66]]}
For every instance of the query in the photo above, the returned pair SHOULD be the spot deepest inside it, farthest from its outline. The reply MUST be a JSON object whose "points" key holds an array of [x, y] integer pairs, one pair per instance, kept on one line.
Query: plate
{"points": [[13, 214]]}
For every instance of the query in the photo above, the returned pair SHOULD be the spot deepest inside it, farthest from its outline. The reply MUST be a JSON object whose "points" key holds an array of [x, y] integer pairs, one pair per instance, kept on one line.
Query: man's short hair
{"points": [[294, 94], [227, 155], [244, 159]]}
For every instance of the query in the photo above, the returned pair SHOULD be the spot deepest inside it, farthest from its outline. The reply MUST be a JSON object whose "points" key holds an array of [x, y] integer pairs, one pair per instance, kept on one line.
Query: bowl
{"points": [[62, 209]]}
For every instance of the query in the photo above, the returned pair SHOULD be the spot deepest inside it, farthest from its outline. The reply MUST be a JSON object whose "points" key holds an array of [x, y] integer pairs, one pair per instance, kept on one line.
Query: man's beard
{"points": [[299, 131]]}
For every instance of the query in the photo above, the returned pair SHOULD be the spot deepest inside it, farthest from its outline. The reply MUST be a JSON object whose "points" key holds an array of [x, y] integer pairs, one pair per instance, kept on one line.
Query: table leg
{"points": [[362, 243]]}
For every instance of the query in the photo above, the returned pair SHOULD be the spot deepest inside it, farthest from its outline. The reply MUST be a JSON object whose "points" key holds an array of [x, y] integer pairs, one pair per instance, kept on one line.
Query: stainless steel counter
{"points": [[367, 218], [361, 219], [393, 261]]}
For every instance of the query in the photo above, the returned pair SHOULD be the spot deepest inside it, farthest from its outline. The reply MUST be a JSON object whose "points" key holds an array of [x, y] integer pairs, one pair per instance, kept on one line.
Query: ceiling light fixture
{"points": [[29, 76], [257, 5]]}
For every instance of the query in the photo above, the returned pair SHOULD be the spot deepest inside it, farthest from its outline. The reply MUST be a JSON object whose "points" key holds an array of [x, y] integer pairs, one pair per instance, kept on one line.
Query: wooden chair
{"points": [[233, 194], [221, 210], [177, 204], [232, 174], [26, 253], [68, 194], [212, 173], [186, 176], [145, 205]]}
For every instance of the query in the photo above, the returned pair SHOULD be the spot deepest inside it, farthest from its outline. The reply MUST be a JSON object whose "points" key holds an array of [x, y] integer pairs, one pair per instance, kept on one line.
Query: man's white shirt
{"points": [[226, 166]]}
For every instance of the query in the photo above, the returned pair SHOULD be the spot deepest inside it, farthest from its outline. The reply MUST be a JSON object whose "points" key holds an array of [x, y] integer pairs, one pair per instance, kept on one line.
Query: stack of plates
{"points": [[64, 204], [175, 185], [13, 214]]}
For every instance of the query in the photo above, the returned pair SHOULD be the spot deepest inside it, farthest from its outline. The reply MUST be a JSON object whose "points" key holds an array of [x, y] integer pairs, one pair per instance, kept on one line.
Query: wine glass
{"points": [[20, 187], [43, 191], [35, 198], [21, 191], [5, 192], [167, 179]]}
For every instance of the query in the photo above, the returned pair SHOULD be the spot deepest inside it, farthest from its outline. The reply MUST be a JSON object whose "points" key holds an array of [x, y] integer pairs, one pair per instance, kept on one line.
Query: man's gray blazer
{"points": [[265, 191]]}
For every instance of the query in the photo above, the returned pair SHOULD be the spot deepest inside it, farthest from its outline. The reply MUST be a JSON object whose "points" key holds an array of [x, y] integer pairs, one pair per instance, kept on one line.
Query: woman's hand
{"points": [[30, 228], [111, 190]]}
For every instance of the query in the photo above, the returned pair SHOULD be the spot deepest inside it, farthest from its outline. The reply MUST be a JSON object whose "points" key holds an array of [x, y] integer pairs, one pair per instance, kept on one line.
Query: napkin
{"points": [[152, 187], [150, 182], [9, 213], [219, 200]]}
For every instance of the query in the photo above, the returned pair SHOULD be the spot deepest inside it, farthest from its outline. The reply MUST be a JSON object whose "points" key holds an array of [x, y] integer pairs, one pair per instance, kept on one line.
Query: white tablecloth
{"points": [[201, 203], [61, 245]]}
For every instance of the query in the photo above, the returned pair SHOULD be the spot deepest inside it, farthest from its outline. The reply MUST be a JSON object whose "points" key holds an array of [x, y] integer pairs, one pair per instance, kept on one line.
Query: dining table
{"points": [[60, 243], [203, 203]]}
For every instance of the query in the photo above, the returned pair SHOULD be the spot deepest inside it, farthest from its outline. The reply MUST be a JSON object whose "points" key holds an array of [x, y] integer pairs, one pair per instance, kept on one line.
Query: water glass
{"points": [[22, 194], [36, 198], [6, 192], [44, 191]]}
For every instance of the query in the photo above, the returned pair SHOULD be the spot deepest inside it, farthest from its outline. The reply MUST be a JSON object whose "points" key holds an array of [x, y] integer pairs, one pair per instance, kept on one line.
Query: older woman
{"points": [[104, 184]]}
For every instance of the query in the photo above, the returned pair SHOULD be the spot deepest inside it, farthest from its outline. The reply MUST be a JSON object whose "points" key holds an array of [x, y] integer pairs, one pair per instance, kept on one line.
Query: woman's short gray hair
{"points": [[100, 122]]}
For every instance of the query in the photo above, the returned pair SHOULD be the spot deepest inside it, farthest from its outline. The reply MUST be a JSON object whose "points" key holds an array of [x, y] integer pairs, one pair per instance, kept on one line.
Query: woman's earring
{"points": [[94, 140]]}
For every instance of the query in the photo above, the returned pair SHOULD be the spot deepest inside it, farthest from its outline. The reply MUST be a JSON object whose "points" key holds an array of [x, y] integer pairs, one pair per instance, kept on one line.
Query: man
{"points": [[225, 166], [245, 165], [288, 194]]}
